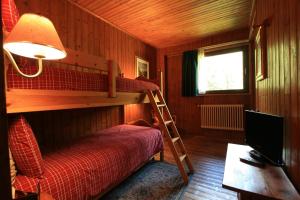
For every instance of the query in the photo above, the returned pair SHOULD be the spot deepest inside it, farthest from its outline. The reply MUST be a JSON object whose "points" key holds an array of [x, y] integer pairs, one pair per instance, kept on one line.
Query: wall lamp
{"points": [[34, 36]]}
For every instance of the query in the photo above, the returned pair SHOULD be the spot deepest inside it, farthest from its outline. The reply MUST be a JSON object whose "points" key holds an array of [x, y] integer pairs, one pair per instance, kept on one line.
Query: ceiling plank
{"points": [[171, 22]]}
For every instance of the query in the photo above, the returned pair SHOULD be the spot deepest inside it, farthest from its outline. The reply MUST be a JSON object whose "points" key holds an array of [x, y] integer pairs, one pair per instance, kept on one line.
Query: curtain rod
{"points": [[225, 44], [212, 47]]}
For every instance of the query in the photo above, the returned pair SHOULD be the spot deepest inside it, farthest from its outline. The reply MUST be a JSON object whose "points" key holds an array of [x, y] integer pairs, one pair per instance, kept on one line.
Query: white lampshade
{"points": [[34, 36]]}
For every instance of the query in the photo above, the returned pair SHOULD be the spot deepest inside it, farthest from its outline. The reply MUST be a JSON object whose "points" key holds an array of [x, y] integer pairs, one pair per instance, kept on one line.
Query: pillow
{"points": [[140, 122], [10, 14], [24, 148], [143, 78]]}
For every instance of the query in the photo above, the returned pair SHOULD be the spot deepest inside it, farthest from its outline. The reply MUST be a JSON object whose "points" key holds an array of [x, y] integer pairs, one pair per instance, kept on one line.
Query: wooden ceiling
{"points": [[164, 23]]}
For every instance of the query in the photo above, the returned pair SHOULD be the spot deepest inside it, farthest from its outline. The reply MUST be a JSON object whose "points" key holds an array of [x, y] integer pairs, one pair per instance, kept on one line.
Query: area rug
{"points": [[155, 181]]}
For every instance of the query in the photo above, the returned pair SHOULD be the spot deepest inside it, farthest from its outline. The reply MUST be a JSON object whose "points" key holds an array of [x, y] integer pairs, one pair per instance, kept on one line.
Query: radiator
{"points": [[225, 117]]}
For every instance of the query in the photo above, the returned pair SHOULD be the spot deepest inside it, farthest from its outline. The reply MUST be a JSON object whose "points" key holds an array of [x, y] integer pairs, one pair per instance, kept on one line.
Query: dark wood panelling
{"points": [[169, 23], [279, 93], [138, 111], [185, 108], [56, 129]]}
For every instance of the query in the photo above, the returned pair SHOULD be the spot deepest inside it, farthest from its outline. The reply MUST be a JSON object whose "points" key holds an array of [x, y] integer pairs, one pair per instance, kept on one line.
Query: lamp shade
{"points": [[34, 36]]}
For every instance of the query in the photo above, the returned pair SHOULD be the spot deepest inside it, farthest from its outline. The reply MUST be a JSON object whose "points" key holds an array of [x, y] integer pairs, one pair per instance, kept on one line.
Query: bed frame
{"points": [[29, 100]]}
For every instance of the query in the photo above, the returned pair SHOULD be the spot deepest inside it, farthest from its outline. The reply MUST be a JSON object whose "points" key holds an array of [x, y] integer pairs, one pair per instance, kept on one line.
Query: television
{"points": [[264, 133]]}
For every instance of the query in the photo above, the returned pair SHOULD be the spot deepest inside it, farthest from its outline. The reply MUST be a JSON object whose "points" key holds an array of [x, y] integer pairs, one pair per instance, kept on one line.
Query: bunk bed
{"points": [[93, 165]]}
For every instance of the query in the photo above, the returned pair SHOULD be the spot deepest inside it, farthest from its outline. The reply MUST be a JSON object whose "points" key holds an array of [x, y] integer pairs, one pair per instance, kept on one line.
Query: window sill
{"points": [[224, 94]]}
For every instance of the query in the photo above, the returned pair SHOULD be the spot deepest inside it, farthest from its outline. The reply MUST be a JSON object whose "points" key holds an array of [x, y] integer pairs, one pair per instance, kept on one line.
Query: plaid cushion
{"points": [[26, 184], [96, 163], [10, 14], [24, 148], [143, 78], [131, 85]]}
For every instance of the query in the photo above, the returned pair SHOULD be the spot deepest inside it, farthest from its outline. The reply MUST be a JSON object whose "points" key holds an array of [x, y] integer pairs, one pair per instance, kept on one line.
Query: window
{"points": [[223, 71]]}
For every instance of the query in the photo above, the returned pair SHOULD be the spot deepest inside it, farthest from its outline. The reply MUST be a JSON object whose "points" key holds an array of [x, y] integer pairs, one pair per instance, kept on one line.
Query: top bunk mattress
{"points": [[54, 78]]}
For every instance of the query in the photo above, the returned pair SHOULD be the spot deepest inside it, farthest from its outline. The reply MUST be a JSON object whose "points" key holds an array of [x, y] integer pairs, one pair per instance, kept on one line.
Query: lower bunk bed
{"points": [[88, 168]]}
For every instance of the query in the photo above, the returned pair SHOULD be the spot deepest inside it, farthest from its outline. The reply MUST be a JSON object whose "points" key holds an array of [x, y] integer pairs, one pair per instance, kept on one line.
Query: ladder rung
{"points": [[182, 157], [175, 139], [168, 122]]}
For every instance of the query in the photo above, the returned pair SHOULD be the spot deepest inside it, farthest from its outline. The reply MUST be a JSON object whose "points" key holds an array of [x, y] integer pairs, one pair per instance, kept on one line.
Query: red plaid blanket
{"points": [[95, 163]]}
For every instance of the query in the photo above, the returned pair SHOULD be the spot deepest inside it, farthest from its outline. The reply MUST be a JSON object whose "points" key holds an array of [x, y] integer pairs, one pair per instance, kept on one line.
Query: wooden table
{"points": [[269, 182]]}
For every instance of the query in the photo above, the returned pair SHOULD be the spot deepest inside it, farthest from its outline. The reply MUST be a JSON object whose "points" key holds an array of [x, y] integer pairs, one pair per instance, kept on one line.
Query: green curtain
{"points": [[190, 73]]}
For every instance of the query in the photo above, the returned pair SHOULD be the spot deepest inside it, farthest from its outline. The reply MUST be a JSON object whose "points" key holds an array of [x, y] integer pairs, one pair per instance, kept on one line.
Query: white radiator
{"points": [[225, 117]]}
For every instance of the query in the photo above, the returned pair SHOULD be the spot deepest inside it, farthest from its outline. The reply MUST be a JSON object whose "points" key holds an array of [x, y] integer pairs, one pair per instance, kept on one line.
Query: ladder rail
{"points": [[169, 140], [175, 130], [164, 124]]}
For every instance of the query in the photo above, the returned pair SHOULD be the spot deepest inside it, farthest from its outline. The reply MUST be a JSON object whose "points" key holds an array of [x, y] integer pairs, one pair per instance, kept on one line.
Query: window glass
{"points": [[222, 72]]}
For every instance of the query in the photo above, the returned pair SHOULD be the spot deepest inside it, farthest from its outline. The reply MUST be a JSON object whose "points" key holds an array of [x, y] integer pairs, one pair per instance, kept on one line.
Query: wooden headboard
{"points": [[85, 61]]}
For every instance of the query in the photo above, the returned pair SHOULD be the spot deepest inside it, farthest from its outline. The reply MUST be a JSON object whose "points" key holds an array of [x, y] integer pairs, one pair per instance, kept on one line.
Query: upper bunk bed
{"points": [[78, 81]]}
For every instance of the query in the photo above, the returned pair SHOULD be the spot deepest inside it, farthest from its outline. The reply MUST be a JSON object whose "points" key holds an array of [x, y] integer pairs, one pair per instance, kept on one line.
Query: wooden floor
{"points": [[208, 157]]}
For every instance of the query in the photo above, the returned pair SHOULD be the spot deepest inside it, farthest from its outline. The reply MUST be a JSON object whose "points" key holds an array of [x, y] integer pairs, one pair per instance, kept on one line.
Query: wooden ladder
{"points": [[173, 138]]}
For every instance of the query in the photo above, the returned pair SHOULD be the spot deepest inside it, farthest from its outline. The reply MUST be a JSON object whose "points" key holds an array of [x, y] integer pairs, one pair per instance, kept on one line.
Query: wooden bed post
{"points": [[162, 156], [112, 74]]}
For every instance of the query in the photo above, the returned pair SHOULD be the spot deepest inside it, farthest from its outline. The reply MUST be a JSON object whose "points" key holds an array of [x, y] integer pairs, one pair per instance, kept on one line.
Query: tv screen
{"points": [[264, 133]]}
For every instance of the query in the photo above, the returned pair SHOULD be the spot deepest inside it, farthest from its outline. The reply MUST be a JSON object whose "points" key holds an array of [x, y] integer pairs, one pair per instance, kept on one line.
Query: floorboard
{"points": [[208, 158]]}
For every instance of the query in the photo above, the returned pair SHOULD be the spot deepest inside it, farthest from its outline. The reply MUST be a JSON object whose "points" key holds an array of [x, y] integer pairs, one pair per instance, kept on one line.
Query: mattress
{"points": [[95, 163], [54, 78]]}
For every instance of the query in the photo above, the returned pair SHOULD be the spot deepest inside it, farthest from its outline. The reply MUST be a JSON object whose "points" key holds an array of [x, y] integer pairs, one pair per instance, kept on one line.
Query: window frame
{"points": [[245, 49]]}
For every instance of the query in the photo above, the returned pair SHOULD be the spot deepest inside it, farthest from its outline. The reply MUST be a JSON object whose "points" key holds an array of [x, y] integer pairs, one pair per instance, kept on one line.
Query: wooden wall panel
{"points": [[138, 111], [82, 31], [186, 108], [279, 93], [56, 129]]}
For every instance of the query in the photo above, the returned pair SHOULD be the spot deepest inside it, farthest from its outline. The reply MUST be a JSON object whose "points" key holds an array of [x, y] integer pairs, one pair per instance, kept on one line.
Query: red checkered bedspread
{"points": [[95, 163], [63, 79]]}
